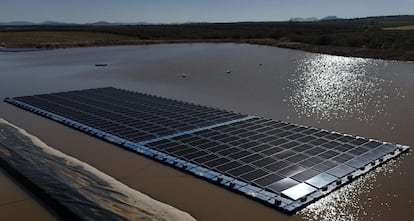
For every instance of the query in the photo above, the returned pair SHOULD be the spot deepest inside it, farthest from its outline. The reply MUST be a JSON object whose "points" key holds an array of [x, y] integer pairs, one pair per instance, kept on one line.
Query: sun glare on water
{"points": [[334, 87], [352, 201]]}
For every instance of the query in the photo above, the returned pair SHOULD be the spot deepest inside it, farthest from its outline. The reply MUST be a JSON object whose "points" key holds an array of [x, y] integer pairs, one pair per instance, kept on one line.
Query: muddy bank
{"points": [[386, 54], [95, 43], [74, 189]]}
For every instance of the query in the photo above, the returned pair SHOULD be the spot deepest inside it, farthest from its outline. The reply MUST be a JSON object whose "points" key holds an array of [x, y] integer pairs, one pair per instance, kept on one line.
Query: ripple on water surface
{"points": [[352, 202], [334, 87]]}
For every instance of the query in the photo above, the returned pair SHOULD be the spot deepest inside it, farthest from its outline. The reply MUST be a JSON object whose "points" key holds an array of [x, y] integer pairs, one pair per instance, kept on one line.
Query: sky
{"points": [[178, 11]]}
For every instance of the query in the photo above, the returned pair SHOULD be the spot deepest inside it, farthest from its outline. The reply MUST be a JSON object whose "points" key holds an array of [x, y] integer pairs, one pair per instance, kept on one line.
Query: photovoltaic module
{"points": [[283, 165]]}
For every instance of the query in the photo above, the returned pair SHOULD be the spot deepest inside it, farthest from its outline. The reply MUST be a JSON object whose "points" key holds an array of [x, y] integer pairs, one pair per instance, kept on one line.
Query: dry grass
{"points": [[400, 28], [40, 38], [345, 38]]}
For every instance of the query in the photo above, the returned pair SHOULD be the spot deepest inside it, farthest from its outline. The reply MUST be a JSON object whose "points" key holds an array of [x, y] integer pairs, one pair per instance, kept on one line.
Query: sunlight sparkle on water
{"points": [[335, 87], [350, 202]]}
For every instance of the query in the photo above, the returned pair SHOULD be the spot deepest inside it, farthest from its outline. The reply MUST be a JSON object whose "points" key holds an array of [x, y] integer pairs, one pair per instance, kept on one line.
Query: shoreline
{"points": [[384, 54]]}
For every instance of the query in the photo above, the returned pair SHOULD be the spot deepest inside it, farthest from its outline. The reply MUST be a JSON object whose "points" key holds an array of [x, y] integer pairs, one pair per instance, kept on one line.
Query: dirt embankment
{"points": [[70, 39], [74, 189], [387, 54]]}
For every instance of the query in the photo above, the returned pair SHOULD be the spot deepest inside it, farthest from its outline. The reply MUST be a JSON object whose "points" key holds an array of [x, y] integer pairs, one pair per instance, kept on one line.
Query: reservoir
{"points": [[366, 97]]}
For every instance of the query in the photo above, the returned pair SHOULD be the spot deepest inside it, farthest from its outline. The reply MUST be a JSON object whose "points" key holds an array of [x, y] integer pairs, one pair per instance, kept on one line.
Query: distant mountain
{"points": [[101, 23], [313, 19], [25, 23], [56, 23], [53, 23], [16, 23], [295, 19], [330, 18], [300, 19], [104, 23]]}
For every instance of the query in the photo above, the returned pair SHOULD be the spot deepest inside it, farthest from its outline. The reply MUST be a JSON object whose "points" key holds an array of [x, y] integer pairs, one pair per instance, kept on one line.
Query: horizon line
{"points": [[189, 22]]}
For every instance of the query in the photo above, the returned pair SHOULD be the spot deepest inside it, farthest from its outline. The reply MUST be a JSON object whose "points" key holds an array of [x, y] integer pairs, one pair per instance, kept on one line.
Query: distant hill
{"points": [[57, 23], [104, 23], [329, 18], [398, 18], [16, 23], [100, 23], [52, 23], [26, 23], [313, 19], [300, 19]]}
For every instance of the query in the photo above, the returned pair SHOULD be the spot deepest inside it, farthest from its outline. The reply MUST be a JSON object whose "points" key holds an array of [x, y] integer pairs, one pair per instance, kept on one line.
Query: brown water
{"points": [[17, 204], [371, 98]]}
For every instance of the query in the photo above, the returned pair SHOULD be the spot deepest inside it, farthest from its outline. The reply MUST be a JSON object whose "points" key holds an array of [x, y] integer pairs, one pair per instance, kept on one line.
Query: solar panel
{"points": [[280, 164], [129, 115]]}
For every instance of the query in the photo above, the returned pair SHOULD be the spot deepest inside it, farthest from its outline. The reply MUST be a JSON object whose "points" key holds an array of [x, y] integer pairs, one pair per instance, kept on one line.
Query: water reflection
{"points": [[351, 202], [334, 87]]}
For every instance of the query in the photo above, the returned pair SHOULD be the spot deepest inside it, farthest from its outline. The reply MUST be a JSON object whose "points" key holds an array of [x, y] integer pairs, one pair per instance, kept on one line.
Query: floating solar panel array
{"points": [[280, 164]]}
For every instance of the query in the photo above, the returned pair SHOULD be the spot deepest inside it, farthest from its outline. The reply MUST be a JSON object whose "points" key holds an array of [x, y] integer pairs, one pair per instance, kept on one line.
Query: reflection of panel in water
{"points": [[280, 164]]}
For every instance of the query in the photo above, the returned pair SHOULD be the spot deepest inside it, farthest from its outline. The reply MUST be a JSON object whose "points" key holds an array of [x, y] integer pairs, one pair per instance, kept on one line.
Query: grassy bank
{"points": [[379, 37]]}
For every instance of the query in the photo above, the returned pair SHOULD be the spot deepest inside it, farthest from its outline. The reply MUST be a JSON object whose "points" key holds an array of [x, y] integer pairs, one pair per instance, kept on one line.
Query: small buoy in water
{"points": [[183, 75], [260, 64], [228, 71]]}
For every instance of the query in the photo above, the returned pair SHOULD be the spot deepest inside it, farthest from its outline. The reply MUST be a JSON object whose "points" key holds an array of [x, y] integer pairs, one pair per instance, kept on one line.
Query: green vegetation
{"points": [[376, 33]]}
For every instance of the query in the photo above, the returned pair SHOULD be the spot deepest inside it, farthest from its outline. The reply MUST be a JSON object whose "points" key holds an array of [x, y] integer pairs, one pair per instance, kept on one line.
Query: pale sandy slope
{"points": [[97, 186]]}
